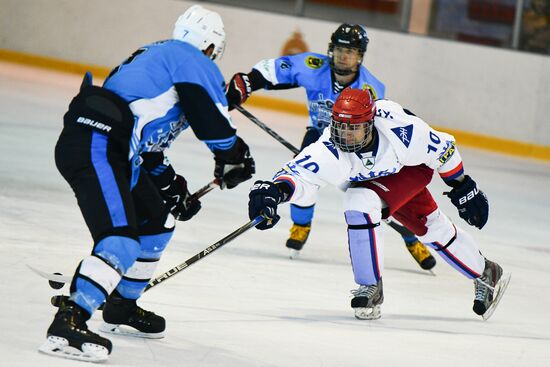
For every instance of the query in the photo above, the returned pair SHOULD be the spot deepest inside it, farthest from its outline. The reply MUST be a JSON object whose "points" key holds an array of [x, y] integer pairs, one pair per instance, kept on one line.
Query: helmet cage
{"points": [[350, 137]]}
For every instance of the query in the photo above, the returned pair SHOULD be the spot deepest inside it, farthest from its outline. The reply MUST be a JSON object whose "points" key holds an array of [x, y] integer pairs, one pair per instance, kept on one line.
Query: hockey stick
{"points": [[58, 280], [56, 300], [207, 251], [205, 189], [268, 130]]}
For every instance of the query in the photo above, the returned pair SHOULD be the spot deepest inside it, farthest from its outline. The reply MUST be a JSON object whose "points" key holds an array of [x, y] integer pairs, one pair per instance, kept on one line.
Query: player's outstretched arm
{"points": [[241, 86], [263, 198]]}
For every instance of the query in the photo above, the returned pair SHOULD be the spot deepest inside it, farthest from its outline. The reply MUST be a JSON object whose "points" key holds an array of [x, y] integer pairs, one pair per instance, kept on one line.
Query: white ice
{"points": [[247, 304]]}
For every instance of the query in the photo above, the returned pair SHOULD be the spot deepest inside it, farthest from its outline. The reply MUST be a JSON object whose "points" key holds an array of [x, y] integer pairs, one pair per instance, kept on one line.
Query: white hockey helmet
{"points": [[201, 28]]}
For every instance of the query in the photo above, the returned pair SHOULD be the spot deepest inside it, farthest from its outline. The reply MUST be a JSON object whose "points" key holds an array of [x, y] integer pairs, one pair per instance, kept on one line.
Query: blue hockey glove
{"points": [[178, 198], [471, 202], [263, 198]]}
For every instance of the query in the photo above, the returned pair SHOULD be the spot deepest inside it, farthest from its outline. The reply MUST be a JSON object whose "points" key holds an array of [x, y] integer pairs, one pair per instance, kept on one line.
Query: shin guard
{"points": [[454, 245], [365, 240], [137, 277], [98, 274]]}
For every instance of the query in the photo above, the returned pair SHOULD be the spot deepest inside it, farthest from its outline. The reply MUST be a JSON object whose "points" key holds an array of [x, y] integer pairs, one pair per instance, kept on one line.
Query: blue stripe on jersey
{"points": [[107, 181], [221, 144], [158, 170]]}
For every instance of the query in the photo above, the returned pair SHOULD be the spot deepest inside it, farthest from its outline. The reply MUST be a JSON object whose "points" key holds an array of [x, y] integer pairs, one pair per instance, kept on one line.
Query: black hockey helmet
{"points": [[348, 36]]}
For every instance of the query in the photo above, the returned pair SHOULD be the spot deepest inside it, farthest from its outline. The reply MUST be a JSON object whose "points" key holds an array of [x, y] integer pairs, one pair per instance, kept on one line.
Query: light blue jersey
{"points": [[312, 72], [153, 81]]}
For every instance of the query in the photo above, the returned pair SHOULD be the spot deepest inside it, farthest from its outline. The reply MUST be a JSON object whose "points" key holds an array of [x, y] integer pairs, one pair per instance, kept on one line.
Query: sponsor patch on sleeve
{"points": [[447, 152]]}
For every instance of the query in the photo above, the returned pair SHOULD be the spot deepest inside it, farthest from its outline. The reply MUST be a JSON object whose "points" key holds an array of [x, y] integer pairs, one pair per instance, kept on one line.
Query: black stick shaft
{"points": [[206, 189], [56, 300], [268, 130], [207, 251]]}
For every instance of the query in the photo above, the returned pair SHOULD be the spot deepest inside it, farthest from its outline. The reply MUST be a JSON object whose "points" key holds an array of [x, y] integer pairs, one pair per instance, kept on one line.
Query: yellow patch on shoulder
{"points": [[314, 62], [370, 89]]}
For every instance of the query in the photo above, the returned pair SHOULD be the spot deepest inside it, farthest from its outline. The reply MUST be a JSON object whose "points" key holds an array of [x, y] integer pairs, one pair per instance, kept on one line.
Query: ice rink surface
{"points": [[248, 304]]}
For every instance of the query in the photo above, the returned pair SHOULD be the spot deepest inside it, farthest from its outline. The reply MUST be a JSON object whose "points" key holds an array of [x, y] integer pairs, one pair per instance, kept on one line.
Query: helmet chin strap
{"points": [[343, 72]]}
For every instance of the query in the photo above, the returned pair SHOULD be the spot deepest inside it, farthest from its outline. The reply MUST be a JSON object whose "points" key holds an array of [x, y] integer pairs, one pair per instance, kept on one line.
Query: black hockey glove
{"points": [[471, 202], [178, 198], [263, 198], [238, 90], [235, 165]]}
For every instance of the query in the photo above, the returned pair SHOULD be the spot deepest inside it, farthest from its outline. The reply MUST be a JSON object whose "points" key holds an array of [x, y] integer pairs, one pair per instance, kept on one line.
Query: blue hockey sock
{"points": [[301, 215]]}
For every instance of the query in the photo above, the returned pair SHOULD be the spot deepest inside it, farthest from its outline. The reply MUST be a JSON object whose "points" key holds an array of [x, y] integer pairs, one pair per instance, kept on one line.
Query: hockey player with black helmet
{"points": [[111, 152], [323, 77]]}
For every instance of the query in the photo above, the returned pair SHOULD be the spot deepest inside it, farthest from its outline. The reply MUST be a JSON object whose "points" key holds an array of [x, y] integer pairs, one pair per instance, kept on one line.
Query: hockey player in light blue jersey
{"points": [[323, 77], [111, 152]]}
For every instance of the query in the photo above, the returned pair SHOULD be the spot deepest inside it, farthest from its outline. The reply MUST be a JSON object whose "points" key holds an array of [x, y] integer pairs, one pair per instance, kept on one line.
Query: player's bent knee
{"points": [[152, 246], [440, 228], [119, 252], [364, 201]]}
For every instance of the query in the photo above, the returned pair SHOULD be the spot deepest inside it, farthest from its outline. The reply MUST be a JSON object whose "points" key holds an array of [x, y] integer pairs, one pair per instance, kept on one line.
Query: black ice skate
{"points": [[489, 288], [124, 317], [68, 336], [366, 301]]}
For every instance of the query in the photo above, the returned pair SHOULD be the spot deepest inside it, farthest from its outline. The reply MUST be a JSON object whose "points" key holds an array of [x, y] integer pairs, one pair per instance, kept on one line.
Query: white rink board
{"points": [[248, 305], [484, 90]]}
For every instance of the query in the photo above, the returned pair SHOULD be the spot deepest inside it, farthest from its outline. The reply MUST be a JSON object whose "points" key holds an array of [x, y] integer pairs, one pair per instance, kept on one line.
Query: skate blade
{"points": [[499, 292], [293, 254], [368, 313], [126, 330], [59, 347]]}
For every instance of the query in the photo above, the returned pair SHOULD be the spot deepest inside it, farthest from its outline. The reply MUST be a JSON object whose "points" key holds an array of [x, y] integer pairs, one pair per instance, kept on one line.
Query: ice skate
{"points": [[298, 237], [366, 301], [421, 255], [68, 336], [123, 316], [489, 289]]}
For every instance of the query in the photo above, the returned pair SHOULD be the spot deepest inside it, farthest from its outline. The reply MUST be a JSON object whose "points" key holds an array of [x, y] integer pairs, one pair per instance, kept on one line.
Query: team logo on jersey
{"points": [[368, 160], [404, 134], [314, 62], [322, 109], [162, 139], [370, 89], [330, 146]]}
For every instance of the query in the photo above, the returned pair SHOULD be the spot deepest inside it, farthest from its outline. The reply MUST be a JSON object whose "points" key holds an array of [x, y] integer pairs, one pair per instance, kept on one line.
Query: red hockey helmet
{"points": [[352, 119]]}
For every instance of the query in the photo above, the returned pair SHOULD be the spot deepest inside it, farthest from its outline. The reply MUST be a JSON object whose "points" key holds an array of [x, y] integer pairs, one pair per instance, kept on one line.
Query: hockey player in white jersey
{"points": [[323, 77], [386, 156]]}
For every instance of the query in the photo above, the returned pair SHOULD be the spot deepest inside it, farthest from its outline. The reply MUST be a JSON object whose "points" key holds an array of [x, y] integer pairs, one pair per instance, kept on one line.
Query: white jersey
{"points": [[402, 140]]}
